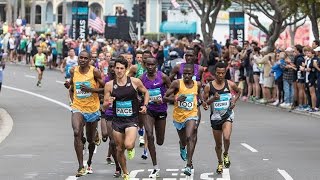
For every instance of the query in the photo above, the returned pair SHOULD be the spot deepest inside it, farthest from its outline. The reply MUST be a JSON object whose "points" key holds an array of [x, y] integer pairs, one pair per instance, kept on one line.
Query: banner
{"points": [[79, 28], [236, 25]]}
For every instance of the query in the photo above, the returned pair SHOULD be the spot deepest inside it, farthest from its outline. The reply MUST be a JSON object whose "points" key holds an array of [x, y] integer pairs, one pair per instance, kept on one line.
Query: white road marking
{"points": [[7, 124], [285, 174], [205, 176], [225, 175], [265, 159], [40, 96], [71, 178], [173, 170], [29, 76], [60, 82], [249, 147], [174, 174]]}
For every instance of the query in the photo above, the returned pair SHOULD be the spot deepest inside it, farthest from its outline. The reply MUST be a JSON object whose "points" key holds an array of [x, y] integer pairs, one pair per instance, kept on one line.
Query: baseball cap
{"points": [[317, 49]]}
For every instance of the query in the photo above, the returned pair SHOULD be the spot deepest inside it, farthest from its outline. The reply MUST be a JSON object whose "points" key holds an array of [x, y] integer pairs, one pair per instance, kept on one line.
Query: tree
{"points": [[311, 8], [208, 11], [278, 11], [293, 28]]}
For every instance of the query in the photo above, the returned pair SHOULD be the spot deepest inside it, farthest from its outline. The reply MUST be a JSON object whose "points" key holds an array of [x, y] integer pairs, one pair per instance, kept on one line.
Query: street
{"points": [[266, 143]]}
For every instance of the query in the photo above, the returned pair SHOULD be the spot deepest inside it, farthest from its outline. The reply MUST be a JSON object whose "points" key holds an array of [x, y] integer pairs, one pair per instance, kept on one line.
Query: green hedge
{"points": [[153, 36]]}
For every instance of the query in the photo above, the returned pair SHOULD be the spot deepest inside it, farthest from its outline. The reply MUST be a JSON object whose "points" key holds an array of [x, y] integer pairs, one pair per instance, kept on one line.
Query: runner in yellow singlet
{"points": [[39, 61]]}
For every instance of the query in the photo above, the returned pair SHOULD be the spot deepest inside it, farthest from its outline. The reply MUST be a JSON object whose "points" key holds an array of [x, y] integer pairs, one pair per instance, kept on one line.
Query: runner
{"points": [[138, 69], [39, 61], [122, 94], [222, 103], [68, 63], [2, 66], [85, 108], [157, 83], [185, 113]]}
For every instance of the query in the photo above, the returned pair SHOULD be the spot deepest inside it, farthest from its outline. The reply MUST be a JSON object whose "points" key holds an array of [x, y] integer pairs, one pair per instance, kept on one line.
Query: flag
{"points": [[175, 4], [96, 23]]}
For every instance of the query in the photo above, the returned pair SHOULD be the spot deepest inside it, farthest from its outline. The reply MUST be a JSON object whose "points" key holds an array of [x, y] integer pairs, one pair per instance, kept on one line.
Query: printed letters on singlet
{"points": [[124, 108], [81, 94], [155, 95], [187, 103], [223, 103]]}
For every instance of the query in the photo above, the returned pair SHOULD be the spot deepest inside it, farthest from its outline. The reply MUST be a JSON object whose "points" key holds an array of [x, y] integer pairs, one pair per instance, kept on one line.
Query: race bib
{"points": [[155, 95], [188, 103], [194, 77], [124, 108], [223, 103], [105, 70], [81, 94]]}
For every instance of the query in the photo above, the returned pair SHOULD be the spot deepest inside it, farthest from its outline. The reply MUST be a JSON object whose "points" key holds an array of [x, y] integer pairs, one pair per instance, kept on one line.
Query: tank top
{"points": [[109, 111], [69, 64], [86, 102], [188, 108], [156, 90], [220, 108], [40, 59], [126, 103], [140, 70], [196, 75], [105, 66]]}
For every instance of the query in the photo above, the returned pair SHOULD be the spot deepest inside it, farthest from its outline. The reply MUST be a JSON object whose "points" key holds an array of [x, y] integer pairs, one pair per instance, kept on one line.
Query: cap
{"points": [[289, 49], [317, 49]]}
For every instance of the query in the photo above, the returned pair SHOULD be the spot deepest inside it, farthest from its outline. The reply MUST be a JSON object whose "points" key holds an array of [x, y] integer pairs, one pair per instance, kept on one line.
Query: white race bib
{"points": [[81, 94]]}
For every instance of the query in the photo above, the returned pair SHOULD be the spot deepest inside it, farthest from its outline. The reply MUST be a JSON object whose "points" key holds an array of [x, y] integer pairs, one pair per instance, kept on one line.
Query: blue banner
{"points": [[79, 28], [236, 25]]}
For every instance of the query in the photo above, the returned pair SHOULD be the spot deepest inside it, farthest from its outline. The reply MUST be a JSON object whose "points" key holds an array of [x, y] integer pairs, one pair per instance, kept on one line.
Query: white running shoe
{"points": [[155, 173], [89, 170]]}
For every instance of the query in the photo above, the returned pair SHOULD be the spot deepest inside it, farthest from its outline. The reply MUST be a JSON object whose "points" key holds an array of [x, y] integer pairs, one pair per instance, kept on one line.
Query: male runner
{"points": [[157, 83], [85, 107], [222, 101], [68, 63], [138, 69], [185, 113], [122, 94], [39, 61]]}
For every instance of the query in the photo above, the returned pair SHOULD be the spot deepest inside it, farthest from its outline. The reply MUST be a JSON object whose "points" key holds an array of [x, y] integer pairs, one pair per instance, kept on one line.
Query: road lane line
{"points": [[38, 95], [72, 178], [249, 147], [285, 174], [60, 82], [29, 76]]}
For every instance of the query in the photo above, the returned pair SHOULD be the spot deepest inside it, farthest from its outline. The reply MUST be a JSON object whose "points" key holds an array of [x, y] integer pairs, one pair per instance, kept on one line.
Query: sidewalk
{"points": [[313, 114], [6, 124]]}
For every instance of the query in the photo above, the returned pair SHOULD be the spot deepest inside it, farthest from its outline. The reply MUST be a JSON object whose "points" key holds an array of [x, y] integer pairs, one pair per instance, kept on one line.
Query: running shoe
{"points": [[155, 173], [187, 171], [126, 177], [226, 160], [89, 170], [117, 174], [109, 161], [183, 153], [141, 141], [81, 172], [220, 168], [131, 153], [145, 154], [141, 131]]}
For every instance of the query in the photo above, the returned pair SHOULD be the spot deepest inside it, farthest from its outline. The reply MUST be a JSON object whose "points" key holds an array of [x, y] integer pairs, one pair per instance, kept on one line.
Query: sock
{"points": [[155, 167]]}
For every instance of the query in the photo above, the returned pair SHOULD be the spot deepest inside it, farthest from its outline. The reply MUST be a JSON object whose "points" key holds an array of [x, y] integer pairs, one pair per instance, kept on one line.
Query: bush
{"points": [[153, 36]]}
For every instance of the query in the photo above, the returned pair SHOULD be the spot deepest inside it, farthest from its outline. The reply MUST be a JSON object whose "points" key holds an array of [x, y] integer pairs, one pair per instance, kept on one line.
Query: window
{"points": [[28, 10], [60, 14], [38, 15]]}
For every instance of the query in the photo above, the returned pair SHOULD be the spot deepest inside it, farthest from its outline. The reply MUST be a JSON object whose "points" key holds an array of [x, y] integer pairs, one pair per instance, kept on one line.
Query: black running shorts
{"points": [[42, 68], [120, 124], [157, 115]]}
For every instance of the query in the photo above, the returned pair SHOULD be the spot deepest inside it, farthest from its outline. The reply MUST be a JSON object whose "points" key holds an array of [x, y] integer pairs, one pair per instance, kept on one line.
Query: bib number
{"points": [[124, 108], [81, 94], [188, 103], [105, 70], [223, 103], [155, 95]]}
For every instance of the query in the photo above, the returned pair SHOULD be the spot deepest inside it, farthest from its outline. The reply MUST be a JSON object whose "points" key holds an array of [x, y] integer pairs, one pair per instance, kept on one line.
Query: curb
{"points": [[6, 124], [316, 115]]}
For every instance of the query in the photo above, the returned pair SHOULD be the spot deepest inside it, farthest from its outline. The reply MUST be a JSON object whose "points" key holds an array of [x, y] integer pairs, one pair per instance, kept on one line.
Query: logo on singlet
{"points": [[124, 108], [155, 95], [81, 94]]}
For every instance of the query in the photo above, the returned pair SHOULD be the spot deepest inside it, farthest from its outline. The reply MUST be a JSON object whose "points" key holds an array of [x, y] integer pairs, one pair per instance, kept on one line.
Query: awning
{"points": [[178, 27]]}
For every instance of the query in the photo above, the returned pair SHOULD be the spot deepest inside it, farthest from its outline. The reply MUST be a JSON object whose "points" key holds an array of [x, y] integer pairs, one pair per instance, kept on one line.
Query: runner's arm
{"points": [[169, 96], [145, 92], [235, 89], [132, 71], [98, 78], [63, 65], [166, 80], [174, 72], [71, 87], [107, 95]]}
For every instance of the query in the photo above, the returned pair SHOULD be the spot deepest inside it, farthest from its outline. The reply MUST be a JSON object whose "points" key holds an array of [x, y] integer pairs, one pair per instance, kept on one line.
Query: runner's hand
{"points": [[67, 84], [85, 88], [233, 104], [181, 98], [143, 109], [205, 106]]}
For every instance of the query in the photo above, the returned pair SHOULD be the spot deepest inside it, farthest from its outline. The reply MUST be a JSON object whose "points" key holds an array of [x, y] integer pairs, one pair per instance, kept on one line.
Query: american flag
{"points": [[96, 23]]}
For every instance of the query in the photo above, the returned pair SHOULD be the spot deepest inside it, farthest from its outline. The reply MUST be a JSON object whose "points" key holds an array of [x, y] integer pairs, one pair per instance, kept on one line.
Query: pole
{"points": [[139, 30]]}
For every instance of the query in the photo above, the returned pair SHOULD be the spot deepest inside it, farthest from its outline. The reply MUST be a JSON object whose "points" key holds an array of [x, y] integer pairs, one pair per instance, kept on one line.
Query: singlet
{"points": [[105, 66], [86, 102], [196, 75], [40, 59], [156, 90], [220, 108], [140, 70], [109, 111], [69, 64], [126, 103], [183, 110]]}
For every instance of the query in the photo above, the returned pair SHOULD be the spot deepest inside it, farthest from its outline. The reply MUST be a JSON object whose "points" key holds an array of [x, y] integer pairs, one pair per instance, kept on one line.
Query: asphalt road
{"points": [[266, 143]]}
